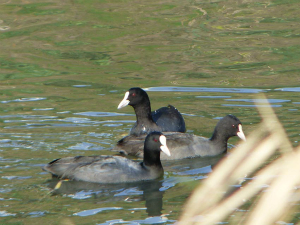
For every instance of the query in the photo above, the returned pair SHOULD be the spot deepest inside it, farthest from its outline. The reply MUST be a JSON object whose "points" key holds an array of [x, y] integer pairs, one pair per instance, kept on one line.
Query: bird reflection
{"points": [[148, 191]]}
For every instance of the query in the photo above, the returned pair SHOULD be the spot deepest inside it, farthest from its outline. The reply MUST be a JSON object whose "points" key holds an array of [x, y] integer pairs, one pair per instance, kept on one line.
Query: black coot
{"points": [[113, 169], [183, 145], [163, 119]]}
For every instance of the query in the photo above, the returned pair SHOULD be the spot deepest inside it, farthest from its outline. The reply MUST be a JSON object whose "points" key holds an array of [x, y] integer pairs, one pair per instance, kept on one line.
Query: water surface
{"points": [[65, 66]]}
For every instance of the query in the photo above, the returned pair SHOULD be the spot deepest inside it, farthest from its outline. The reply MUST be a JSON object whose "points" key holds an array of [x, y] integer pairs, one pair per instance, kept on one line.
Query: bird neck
{"points": [[143, 112], [219, 138], [151, 158]]}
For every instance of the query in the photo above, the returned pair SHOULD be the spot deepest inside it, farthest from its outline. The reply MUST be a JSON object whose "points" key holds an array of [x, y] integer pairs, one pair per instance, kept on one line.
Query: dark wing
{"points": [[70, 167], [170, 119]]}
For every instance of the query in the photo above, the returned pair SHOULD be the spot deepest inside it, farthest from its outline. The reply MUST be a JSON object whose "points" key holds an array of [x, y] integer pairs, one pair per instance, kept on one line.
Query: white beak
{"points": [[240, 133], [163, 146], [124, 102]]}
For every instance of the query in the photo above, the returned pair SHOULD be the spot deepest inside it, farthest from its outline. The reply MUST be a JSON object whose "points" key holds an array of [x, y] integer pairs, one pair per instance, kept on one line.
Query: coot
{"points": [[113, 169], [183, 145], [164, 119]]}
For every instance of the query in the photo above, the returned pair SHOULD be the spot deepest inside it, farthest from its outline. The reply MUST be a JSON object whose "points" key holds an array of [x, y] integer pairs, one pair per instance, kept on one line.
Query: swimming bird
{"points": [[113, 169], [164, 119], [184, 145]]}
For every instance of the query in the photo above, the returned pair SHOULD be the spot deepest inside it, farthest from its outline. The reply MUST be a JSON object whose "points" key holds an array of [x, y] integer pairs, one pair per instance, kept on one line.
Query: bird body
{"points": [[184, 145], [113, 169]]}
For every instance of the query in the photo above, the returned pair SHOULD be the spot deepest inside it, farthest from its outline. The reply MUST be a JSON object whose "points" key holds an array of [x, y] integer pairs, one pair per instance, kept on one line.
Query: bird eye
{"points": [[233, 125], [154, 139], [133, 94]]}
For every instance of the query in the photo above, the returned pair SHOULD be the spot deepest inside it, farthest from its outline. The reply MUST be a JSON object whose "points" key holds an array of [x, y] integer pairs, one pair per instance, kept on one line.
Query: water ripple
{"points": [[292, 89], [204, 89], [16, 177], [85, 146], [25, 100], [153, 220], [5, 213], [82, 195], [202, 170], [258, 100], [118, 221], [213, 96], [37, 213], [102, 114], [261, 101], [149, 220], [82, 85], [28, 116], [130, 191], [91, 212], [234, 105], [42, 109]]}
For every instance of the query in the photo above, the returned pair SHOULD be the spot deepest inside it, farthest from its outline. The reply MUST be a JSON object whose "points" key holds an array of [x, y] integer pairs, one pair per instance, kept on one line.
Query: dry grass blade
{"points": [[278, 194], [271, 122], [218, 182], [246, 159]]}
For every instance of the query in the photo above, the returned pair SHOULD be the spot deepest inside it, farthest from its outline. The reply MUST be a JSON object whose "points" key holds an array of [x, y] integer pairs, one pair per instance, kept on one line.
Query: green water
{"points": [[64, 68]]}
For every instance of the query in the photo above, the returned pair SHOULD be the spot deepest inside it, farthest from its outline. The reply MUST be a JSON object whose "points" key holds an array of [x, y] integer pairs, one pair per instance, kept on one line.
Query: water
{"points": [[65, 66]]}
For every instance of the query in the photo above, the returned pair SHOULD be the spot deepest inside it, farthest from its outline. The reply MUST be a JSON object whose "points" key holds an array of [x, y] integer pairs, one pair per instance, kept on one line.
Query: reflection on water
{"points": [[203, 89], [40, 121], [94, 132], [150, 220], [212, 96], [206, 169], [5, 213], [102, 114], [151, 192], [148, 191], [260, 101], [24, 100], [95, 211], [292, 89], [66, 64], [239, 105]]}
